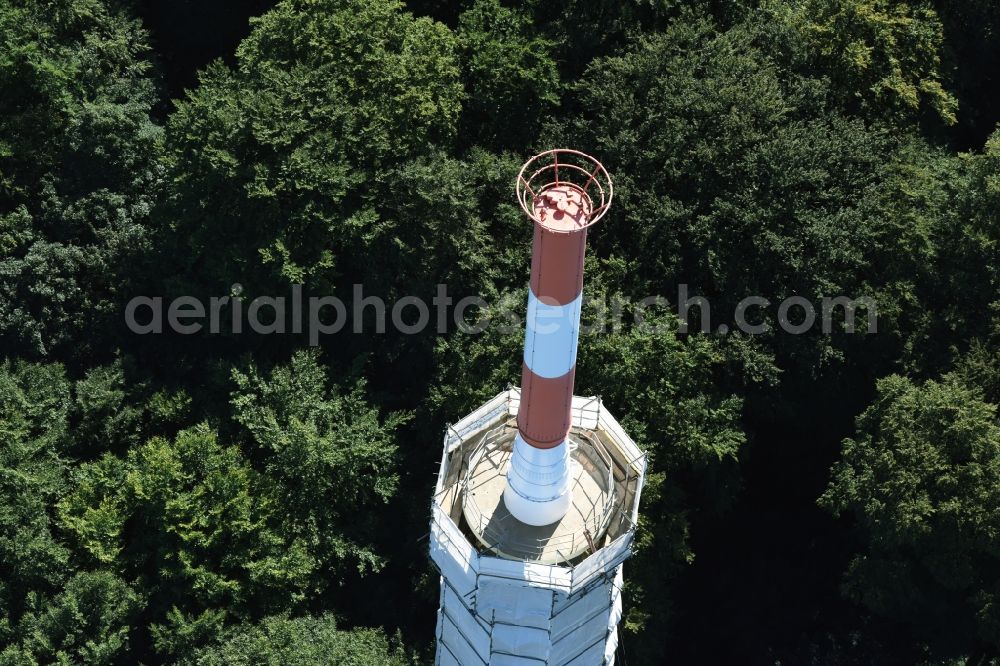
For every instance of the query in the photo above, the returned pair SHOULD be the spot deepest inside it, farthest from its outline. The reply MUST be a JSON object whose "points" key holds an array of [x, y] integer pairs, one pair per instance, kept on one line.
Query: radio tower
{"points": [[538, 492]]}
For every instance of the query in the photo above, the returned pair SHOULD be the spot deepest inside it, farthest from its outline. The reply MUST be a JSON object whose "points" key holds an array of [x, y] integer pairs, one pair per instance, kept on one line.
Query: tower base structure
{"points": [[539, 482], [527, 595]]}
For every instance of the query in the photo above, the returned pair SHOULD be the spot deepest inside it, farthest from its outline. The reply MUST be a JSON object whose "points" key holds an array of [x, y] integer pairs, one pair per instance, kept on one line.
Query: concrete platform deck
{"points": [[579, 532]]}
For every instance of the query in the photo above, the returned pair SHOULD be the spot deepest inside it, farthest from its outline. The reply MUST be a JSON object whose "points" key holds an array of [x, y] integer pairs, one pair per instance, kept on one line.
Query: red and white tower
{"points": [[538, 483], [538, 491]]}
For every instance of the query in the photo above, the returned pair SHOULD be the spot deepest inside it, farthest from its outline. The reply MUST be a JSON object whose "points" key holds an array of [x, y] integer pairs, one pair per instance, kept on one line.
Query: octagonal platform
{"points": [[607, 470], [515, 594]]}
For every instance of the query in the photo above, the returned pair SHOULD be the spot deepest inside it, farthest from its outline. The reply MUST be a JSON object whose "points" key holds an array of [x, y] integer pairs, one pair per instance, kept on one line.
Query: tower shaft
{"points": [[538, 484]]}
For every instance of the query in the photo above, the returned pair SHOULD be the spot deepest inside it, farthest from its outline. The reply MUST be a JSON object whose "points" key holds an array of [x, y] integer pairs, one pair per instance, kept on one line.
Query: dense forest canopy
{"points": [[225, 497]]}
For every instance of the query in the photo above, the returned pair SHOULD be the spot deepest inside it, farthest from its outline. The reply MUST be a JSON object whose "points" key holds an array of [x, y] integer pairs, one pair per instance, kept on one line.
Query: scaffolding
{"points": [[504, 598]]}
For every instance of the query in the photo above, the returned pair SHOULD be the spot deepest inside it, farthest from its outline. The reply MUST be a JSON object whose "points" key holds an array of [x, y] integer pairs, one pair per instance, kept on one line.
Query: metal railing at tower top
{"points": [[565, 167]]}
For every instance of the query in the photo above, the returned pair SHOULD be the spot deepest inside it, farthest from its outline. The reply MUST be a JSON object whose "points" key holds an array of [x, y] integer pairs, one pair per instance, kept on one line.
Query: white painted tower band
{"points": [[538, 488]]}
